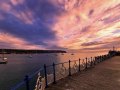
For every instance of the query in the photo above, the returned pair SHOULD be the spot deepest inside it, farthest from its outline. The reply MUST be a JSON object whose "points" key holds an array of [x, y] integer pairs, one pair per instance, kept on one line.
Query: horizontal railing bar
{"points": [[18, 85], [23, 82], [32, 75], [74, 60], [56, 64], [49, 66], [62, 63]]}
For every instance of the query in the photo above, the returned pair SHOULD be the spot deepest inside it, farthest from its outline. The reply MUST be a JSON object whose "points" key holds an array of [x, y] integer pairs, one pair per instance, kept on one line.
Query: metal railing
{"points": [[60, 70], [52, 73], [27, 81]]}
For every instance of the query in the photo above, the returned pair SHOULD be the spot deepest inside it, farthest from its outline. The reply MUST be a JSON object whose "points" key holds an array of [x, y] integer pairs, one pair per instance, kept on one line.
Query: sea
{"points": [[20, 65]]}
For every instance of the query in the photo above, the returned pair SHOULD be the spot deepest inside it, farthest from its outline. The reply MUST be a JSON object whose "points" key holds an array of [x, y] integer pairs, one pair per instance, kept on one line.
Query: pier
{"points": [[91, 73], [104, 76]]}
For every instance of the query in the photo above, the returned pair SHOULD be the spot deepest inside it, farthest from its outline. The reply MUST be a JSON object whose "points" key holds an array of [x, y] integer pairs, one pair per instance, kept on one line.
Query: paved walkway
{"points": [[104, 76]]}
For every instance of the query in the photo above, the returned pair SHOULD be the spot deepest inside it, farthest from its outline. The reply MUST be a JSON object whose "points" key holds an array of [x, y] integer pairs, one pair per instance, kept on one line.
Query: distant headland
{"points": [[23, 51]]}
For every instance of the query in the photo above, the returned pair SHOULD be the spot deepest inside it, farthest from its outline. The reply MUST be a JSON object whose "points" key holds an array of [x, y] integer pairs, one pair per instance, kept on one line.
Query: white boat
{"points": [[30, 56], [3, 58]]}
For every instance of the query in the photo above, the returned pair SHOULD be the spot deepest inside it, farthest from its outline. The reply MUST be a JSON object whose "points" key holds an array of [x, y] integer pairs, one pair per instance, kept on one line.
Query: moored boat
{"points": [[4, 59], [72, 54], [30, 56], [3, 62]]}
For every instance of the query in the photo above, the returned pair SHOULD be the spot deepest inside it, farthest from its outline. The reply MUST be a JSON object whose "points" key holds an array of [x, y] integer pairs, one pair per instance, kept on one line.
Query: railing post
{"points": [[86, 63], [79, 64], [91, 62], [54, 75], [104, 57], [94, 60], [100, 59], [97, 59], [45, 73], [69, 68], [27, 82]]}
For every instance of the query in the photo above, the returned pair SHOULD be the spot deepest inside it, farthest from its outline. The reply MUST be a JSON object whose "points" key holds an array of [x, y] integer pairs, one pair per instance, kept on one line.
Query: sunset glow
{"points": [[60, 24]]}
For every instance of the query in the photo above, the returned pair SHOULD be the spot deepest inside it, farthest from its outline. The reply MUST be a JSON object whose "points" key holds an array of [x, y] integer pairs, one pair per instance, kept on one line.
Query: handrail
{"points": [[23, 82]]}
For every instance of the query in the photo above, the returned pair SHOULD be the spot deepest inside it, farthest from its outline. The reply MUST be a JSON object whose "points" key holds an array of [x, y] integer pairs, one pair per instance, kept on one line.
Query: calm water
{"points": [[20, 65]]}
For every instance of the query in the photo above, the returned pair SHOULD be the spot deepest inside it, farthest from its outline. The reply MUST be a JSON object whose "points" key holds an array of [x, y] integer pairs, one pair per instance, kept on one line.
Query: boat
{"points": [[3, 62], [4, 59], [30, 56], [72, 54]]}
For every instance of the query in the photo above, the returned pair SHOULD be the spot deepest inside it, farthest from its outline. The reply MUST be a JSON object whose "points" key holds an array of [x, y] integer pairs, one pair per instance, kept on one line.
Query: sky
{"points": [[60, 24]]}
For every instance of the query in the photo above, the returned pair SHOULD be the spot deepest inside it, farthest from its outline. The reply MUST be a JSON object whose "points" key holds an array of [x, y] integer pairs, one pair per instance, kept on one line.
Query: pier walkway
{"points": [[104, 76]]}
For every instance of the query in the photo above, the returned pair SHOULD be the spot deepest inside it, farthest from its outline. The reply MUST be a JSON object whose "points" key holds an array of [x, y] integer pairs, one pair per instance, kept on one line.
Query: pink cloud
{"points": [[77, 26], [16, 2], [10, 40], [83, 24]]}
